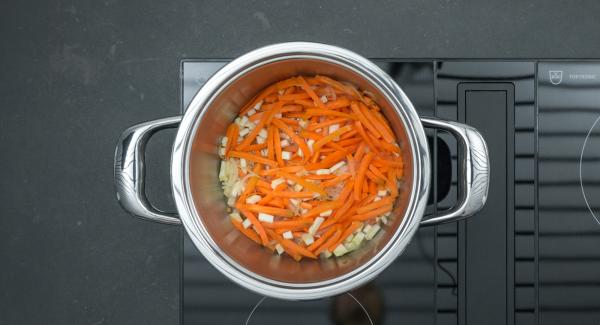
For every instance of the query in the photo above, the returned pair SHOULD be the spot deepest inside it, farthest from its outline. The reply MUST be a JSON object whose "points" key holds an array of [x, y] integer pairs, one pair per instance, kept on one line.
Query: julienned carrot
{"points": [[373, 213], [374, 205], [333, 239], [347, 232], [251, 157], [298, 177], [247, 232], [312, 247], [360, 175], [259, 228]]}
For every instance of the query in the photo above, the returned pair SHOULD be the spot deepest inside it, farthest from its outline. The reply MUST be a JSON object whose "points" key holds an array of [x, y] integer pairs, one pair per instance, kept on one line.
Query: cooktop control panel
{"points": [[531, 256]]}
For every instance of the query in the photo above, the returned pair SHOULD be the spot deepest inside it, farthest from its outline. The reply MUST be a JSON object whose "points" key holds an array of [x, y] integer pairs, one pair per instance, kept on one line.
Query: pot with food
{"points": [[300, 170]]}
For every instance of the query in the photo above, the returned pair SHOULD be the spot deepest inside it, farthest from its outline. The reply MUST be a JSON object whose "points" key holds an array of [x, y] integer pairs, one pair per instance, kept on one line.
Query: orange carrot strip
{"points": [[255, 147], [311, 187], [331, 137], [299, 141], [278, 238], [361, 117], [251, 157], [372, 177], [391, 183], [349, 230], [389, 163], [389, 134], [247, 232], [321, 239], [373, 213], [331, 205], [264, 209], [270, 143], [329, 242], [289, 194], [292, 246], [323, 124], [358, 154], [294, 96], [365, 137], [349, 142], [335, 181], [360, 176], [329, 161], [288, 224], [327, 112], [259, 228], [311, 93], [338, 103], [377, 204], [319, 177], [287, 169], [377, 172], [351, 165]]}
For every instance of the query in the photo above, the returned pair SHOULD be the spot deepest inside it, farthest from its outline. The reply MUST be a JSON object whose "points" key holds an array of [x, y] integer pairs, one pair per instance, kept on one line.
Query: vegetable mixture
{"points": [[310, 168]]}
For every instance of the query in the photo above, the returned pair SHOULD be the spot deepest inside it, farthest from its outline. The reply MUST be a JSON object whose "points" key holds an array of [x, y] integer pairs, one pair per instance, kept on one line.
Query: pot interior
{"points": [[210, 203]]}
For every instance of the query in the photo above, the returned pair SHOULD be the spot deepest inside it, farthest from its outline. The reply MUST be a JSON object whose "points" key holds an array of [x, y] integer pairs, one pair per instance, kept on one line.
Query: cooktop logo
{"points": [[555, 76]]}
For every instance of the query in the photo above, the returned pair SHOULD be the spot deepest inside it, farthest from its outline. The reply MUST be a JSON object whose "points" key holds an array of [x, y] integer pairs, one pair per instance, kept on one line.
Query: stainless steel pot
{"points": [[200, 204]]}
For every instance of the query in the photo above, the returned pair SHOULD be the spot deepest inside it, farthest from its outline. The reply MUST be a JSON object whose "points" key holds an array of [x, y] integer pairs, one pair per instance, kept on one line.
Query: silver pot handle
{"points": [[474, 170], [130, 171]]}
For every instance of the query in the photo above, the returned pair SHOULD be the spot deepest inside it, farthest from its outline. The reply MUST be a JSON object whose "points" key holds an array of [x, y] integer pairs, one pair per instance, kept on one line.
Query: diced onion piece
{"points": [[384, 220], [324, 99], [279, 249], [337, 166], [247, 223], [300, 153], [310, 143], [243, 163], [236, 216], [252, 199], [356, 241], [348, 239], [258, 105], [244, 131], [307, 239], [251, 112], [264, 152], [265, 217], [315, 225], [367, 228], [298, 187], [288, 235], [372, 232], [260, 140], [303, 123], [223, 171], [286, 155], [221, 152], [377, 198], [382, 192], [277, 182], [326, 213], [295, 202], [224, 141], [333, 128], [323, 171], [340, 250], [284, 143], [263, 133], [326, 254]]}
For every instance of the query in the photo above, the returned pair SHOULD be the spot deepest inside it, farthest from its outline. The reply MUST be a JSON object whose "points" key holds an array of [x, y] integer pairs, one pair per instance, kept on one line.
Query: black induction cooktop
{"points": [[531, 256]]}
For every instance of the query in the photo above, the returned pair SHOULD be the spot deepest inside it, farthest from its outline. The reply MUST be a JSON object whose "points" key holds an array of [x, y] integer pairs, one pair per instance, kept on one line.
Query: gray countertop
{"points": [[75, 74]]}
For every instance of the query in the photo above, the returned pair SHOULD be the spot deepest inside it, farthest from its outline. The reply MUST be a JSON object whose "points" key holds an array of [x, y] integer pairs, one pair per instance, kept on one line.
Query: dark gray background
{"points": [[74, 74]]}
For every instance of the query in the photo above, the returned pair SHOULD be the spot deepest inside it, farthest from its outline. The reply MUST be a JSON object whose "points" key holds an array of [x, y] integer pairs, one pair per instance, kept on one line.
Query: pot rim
{"points": [[186, 206]]}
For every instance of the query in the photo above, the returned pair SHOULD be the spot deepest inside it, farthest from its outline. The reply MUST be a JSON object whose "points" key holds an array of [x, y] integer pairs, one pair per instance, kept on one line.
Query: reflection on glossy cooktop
{"points": [[532, 256]]}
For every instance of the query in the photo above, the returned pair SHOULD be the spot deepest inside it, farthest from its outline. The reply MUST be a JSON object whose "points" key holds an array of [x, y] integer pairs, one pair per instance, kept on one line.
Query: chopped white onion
{"points": [[303, 123], [325, 171], [298, 187], [324, 99], [277, 182], [224, 141], [340, 250], [286, 155], [258, 105], [307, 239], [252, 199], [315, 225], [263, 133], [333, 128], [244, 121], [284, 143], [288, 235], [279, 249], [251, 112], [247, 223], [326, 213], [222, 152], [260, 140], [265, 217], [236, 216], [295, 202], [243, 132], [243, 163], [377, 198], [337, 166], [382, 192], [326, 254], [372, 232], [310, 143]]}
